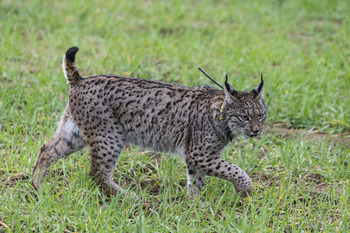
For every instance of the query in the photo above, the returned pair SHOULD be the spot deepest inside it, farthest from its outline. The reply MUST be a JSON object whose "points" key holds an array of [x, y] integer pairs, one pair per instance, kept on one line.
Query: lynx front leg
{"points": [[66, 140], [214, 166], [194, 181]]}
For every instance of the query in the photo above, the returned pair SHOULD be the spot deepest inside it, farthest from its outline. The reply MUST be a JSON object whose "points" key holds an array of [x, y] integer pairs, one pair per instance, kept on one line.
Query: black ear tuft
{"points": [[259, 89], [70, 54], [261, 85], [262, 82], [229, 88]]}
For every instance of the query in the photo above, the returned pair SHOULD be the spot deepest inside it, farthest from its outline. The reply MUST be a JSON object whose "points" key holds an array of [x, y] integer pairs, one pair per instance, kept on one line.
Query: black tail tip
{"points": [[70, 54]]}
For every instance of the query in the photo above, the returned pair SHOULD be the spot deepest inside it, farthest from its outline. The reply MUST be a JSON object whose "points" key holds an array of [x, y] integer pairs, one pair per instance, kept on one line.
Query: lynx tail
{"points": [[70, 71]]}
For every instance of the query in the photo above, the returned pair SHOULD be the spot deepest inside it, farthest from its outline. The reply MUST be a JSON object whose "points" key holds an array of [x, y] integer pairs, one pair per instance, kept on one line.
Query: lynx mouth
{"points": [[250, 134], [257, 136]]}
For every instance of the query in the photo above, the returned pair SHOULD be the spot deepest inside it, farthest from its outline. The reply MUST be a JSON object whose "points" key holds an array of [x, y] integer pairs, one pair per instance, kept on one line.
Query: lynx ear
{"points": [[230, 93], [259, 89]]}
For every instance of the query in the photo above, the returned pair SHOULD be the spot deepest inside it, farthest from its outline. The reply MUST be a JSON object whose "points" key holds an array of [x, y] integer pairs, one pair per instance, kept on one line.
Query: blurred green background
{"points": [[302, 47]]}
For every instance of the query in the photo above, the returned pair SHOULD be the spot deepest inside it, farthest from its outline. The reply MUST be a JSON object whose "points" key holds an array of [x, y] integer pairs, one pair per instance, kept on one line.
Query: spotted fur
{"points": [[107, 111]]}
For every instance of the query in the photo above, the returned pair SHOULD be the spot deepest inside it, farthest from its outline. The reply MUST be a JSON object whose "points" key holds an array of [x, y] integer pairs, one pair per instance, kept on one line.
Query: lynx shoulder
{"points": [[106, 112]]}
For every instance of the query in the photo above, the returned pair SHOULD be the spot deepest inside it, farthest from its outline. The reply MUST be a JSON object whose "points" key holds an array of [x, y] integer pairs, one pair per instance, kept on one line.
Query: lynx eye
{"points": [[261, 116], [245, 117]]}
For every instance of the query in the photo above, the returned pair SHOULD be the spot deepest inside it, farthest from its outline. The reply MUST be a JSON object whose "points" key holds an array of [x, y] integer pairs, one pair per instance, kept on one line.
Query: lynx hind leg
{"points": [[104, 156], [64, 142], [195, 180]]}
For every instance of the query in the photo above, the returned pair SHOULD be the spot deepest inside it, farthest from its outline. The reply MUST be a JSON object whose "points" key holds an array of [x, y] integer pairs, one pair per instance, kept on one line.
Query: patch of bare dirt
{"points": [[313, 183], [282, 130], [152, 186], [9, 181]]}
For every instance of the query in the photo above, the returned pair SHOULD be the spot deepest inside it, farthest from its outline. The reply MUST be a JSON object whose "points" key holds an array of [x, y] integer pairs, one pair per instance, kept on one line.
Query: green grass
{"points": [[302, 47]]}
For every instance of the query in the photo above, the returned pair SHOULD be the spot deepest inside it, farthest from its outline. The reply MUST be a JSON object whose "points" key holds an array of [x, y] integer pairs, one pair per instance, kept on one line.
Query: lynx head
{"points": [[244, 112]]}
